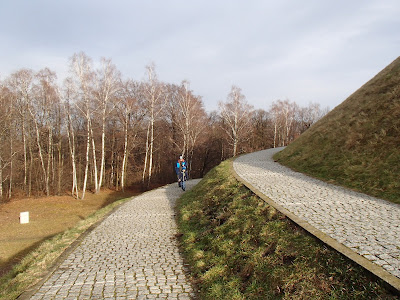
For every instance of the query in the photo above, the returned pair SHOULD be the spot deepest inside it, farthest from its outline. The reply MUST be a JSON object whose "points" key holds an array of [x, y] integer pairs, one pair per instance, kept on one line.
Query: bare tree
{"points": [[20, 85], [262, 133], [236, 114], [5, 119], [189, 118], [42, 110], [154, 104], [310, 115], [82, 74], [108, 82], [130, 113], [68, 94], [284, 115]]}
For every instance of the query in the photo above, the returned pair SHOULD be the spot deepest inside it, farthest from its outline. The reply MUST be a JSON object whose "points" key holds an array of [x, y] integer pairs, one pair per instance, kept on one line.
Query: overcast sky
{"points": [[304, 51]]}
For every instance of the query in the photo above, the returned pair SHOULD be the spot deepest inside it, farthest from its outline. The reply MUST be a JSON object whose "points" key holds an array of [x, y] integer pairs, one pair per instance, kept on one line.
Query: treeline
{"points": [[100, 130]]}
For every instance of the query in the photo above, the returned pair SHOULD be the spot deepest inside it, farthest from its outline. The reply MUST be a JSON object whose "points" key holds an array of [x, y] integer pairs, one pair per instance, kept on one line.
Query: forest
{"points": [[97, 129]]}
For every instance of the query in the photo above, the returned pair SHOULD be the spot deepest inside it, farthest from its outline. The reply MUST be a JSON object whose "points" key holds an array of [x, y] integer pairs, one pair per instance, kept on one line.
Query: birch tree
{"points": [[68, 94], [43, 111], [284, 115], [236, 115], [154, 102], [189, 118], [21, 85], [130, 113], [5, 119], [108, 82], [82, 74]]}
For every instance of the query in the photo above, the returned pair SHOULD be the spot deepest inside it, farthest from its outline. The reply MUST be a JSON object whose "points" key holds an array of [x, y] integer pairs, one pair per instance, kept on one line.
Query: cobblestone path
{"points": [[132, 254], [367, 225]]}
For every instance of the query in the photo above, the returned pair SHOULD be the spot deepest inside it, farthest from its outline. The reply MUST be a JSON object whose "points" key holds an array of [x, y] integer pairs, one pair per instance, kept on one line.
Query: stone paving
{"points": [[132, 254], [367, 225]]}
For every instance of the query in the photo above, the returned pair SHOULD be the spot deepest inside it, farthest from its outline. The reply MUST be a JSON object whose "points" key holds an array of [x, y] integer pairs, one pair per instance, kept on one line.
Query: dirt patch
{"points": [[48, 216]]}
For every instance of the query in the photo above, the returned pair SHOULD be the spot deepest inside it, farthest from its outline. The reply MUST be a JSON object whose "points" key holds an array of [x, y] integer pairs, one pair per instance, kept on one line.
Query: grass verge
{"points": [[35, 265], [239, 247], [48, 216]]}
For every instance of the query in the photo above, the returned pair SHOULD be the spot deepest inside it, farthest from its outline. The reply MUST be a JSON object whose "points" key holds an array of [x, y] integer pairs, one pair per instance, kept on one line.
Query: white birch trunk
{"points": [[96, 182], [87, 156], [25, 155], [103, 154], [151, 151], [147, 154], [71, 142], [11, 166], [40, 153], [49, 160], [125, 157]]}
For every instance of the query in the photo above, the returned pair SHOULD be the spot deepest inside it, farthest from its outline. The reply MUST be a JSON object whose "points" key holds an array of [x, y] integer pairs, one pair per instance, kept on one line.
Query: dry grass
{"points": [[52, 215], [238, 247], [358, 143], [48, 217]]}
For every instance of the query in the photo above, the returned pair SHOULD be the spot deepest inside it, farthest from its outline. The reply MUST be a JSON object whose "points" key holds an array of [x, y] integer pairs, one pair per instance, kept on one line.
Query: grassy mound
{"points": [[358, 143], [238, 247]]}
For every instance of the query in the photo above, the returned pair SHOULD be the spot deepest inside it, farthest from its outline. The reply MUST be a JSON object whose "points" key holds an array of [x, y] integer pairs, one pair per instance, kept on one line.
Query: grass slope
{"points": [[358, 143], [238, 247]]}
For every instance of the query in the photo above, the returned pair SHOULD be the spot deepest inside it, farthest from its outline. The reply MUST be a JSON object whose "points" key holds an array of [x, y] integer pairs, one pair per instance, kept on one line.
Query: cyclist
{"points": [[178, 169], [183, 175]]}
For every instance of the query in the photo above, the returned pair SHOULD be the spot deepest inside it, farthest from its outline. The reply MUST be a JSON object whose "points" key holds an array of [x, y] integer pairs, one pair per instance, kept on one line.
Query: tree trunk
{"points": [[146, 155], [60, 167], [96, 182], [235, 143], [71, 142], [30, 169], [25, 156], [11, 164], [49, 160], [41, 154], [1, 178], [125, 157], [151, 152], [87, 156], [103, 136]]}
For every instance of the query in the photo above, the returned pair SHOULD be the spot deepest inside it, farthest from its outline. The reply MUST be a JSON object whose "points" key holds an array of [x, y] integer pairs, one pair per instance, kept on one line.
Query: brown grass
{"points": [[48, 217], [358, 143]]}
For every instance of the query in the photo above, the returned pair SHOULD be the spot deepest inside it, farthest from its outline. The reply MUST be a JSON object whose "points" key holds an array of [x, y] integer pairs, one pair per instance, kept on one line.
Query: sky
{"points": [[307, 51]]}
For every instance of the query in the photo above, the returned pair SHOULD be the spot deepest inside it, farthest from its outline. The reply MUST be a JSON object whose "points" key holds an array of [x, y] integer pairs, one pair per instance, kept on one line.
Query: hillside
{"points": [[358, 143], [239, 247]]}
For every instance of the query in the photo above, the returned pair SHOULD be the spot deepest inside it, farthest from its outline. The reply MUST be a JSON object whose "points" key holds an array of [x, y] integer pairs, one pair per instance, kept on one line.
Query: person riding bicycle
{"points": [[183, 175], [180, 169]]}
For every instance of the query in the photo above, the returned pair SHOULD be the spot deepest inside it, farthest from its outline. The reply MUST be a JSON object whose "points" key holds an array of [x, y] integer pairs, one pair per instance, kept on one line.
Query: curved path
{"points": [[368, 227], [132, 254]]}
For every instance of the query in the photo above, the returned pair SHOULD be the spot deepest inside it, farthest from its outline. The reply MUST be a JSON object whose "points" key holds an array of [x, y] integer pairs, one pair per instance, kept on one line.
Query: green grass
{"points": [[357, 144], [238, 247], [35, 265]]}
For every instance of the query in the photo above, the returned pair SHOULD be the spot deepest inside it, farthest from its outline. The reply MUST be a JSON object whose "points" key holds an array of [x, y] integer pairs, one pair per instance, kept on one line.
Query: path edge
{"points": [[27, 294], [392, 281]]}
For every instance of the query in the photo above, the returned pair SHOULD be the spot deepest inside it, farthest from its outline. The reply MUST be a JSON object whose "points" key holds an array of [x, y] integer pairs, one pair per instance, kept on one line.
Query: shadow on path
{"points": [[132, 253]]}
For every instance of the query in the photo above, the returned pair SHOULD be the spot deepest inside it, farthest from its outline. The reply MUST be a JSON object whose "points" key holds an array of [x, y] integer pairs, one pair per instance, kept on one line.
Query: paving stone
{"points": [[132, 254], [368, 225]]}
